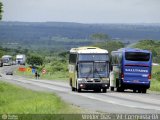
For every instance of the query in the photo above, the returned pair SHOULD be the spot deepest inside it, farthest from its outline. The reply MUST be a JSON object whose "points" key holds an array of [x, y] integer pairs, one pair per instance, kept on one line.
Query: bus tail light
{"points": [[122, 75], [149, 76]]}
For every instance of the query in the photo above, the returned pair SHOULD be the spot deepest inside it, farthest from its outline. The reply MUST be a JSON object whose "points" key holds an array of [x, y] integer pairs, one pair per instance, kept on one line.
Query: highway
{"points": [[110, 102]]}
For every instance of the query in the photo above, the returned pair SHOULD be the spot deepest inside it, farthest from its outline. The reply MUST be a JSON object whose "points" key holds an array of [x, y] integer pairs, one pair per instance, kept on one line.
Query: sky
{"points": [[82, 11]]}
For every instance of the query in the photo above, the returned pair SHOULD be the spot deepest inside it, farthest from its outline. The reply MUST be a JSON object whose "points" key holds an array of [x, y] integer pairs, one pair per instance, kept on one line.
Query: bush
{"points": [[153, 46], [35, 60]]}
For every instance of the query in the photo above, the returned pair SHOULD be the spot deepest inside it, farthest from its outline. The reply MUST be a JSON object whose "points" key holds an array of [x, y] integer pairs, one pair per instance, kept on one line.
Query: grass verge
{"points": [[59, 75], [155, 82], [17, 100]]}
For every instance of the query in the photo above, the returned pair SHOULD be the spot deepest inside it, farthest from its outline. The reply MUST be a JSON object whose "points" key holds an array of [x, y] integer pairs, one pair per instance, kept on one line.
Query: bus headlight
{"points": [[81, 79]]}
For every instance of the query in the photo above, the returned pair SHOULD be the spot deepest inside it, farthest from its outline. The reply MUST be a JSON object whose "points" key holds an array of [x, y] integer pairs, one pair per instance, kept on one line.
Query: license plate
{"points": [[135, 81]]}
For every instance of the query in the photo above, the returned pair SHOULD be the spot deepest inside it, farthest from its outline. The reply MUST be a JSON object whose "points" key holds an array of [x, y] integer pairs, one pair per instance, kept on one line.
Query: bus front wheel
{"points": [[73, 89], [79, 90], [97, 90], [112, 88], [104, 90]]}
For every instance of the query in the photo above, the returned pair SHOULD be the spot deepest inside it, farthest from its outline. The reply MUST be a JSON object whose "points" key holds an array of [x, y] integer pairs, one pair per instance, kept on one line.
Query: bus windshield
{"points": [[137, 56], [19, 58], [100, 69], [93, 69], [5, 60]]}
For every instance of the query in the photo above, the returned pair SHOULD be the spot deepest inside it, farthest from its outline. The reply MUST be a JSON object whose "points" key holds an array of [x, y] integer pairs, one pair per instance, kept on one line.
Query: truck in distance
{"points": [[20, 59]]}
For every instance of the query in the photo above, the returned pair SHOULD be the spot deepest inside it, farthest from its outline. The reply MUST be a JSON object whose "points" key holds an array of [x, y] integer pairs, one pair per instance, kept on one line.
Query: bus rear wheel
{"points": [[120, 89], [144, 90], [112, 88], [134, 90], [139, 91]]}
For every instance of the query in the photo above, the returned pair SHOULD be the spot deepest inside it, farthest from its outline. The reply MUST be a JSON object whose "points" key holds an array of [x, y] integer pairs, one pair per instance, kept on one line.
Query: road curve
{"points": [[110, 102]]}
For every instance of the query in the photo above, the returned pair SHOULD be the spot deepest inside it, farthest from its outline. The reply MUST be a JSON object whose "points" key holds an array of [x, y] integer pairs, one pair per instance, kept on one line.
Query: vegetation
{"points": [[100, 37], [151, 45], [110, 45], [31, 102], [1, 52], [155, 82], [53, 36], [1, 10], [35, 60], [56, 67]]}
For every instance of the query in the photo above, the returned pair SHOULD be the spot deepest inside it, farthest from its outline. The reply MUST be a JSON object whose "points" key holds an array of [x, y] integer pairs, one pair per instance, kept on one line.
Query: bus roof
{"points": [[88, 50], [6, 56], [133, 50]]}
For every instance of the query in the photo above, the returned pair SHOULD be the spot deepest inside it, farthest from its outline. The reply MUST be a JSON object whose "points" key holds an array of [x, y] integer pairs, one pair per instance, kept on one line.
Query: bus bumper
{"points": [[132, 85], [92, 86]]}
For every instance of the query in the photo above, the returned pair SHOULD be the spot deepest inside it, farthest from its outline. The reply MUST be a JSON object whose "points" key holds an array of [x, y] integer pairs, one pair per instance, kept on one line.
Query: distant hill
{"points": [[66, 35]]}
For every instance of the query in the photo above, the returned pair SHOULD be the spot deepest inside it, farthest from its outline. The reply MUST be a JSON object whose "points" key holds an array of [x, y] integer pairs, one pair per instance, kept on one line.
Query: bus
{"points": [[89, 69], [1, 63], [131, 69], [7, 60]]}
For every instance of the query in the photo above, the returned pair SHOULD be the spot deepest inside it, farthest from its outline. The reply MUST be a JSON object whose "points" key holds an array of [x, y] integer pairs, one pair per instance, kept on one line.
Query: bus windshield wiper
{"points": [[98, 73], [90, 72]]}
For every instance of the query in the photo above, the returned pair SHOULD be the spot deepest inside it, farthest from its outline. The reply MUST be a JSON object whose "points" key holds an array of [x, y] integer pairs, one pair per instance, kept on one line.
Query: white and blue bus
{"points": [[131, 69]]}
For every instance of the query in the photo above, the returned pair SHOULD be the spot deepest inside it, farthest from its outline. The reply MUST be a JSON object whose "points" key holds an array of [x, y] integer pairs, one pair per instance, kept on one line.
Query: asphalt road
{"points": [[110, 102]]}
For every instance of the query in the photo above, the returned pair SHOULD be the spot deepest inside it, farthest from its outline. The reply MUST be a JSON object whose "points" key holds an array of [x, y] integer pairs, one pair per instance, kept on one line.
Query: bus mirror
{"points": [[76, 67], [111, 67]]}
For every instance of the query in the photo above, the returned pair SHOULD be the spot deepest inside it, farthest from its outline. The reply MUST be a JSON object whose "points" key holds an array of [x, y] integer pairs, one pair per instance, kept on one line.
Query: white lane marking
{"points": [[150, 107], [136, 97]]}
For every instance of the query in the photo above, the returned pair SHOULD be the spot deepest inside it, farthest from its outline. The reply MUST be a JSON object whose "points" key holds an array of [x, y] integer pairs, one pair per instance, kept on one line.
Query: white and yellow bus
{"points": [[7, 60], [89, 69]]}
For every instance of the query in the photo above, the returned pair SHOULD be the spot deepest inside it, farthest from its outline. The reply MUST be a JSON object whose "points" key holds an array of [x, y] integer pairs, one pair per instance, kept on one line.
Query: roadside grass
{"points": [[155, 82], [26, 74], [55, 76], [17, 100], [155, 85], [59, 75]]}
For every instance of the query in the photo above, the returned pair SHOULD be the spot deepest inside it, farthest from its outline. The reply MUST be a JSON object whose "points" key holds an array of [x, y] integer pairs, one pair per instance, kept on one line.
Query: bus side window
{"points": [[119, 57]]}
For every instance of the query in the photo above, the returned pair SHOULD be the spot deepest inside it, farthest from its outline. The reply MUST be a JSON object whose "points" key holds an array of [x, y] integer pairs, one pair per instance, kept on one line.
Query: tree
{"points": [[100, 36], [110, 45], [153, 46], [35, 60], [1, 5]]}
